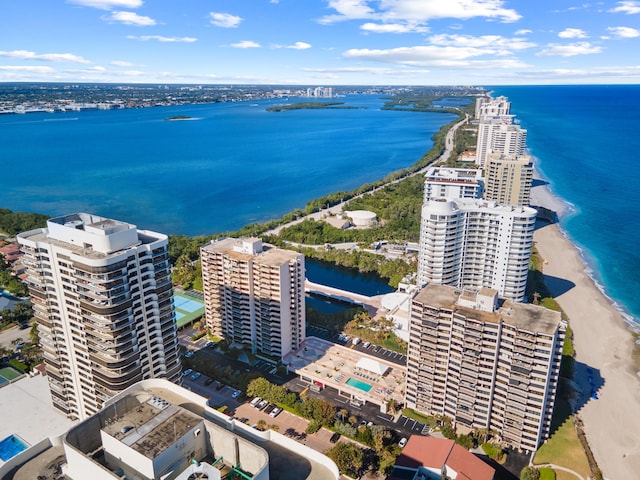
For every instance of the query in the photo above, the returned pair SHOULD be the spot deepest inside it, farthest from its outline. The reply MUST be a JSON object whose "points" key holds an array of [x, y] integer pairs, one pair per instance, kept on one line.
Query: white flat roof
{"points": [[28, 411], [371, 365]]}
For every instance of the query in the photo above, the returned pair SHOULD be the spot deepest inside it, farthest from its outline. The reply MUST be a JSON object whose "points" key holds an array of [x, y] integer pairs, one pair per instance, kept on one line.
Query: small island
{"points": [[178, 118], [310, 105]]}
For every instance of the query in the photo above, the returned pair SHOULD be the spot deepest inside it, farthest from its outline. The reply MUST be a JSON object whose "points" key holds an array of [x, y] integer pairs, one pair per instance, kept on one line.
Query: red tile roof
{"points": [[436, 453]]}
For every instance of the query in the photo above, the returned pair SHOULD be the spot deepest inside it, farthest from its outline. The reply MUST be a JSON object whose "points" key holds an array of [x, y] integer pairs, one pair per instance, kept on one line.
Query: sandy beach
{"points": [[604, 351]]}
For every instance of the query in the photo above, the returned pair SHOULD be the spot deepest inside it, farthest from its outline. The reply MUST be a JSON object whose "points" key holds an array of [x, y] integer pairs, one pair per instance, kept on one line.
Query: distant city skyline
{"points": [[320, 42]]}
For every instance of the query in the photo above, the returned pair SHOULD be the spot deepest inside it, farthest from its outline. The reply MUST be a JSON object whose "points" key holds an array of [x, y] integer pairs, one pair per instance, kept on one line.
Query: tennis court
{"points": [[7, 374], [188, 308]]}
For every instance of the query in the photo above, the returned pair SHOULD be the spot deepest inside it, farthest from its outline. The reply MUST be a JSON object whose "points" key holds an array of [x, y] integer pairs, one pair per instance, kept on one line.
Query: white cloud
{"points": [[392, 28], [497, 44], [433, 56], [25, 68], [299, 46], [368, 70], [417, 12], [245, 44], [629, 8], [131, 18], [570, 50], [121, 63], [161, 38], [108, 4], [624, 32], [572, 33], [48, 57], [225, 20], [524, 31]]}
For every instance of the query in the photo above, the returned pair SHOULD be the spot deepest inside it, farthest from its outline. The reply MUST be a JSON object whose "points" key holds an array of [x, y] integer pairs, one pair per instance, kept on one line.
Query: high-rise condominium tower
{"points": [[487, 107], [254, 294], [470, 243], [499, 135], [101, 292], [453, 183], [484, 362], [508, 178]]}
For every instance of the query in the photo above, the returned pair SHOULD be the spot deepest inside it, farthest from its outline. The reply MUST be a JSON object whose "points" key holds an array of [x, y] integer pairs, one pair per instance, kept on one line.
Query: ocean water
{"points": [[586, 140], [232, 165]]}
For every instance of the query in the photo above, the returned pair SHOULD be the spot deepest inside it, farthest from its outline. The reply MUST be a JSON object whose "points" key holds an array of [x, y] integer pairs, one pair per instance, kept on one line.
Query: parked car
{"points": [[195, 376], [220, 386], [269, 408], [402, 442], [262, 404], [236, 394], [209, 381], [275, 412], [335, 437], [366, 344], [189, 354], [255, 401], [188, 371]]}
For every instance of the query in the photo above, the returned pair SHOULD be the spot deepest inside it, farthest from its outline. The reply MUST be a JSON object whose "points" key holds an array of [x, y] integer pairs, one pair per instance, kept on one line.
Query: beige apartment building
{"points": [[102, 295], [485, 362], [254, 294], [508, 178]]}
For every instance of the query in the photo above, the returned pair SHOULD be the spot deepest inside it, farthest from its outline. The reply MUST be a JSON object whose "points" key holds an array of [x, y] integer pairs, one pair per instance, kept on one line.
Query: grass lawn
{"points": [[547, 474], [426, 419], [564, 449]]}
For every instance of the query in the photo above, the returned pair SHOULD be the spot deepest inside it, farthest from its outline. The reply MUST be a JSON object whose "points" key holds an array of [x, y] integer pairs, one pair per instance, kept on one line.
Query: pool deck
{"points": [[332, 365], [28, 411]]}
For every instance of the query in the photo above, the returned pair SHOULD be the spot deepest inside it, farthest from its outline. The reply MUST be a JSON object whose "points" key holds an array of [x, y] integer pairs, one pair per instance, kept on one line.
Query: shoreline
{"points": [[606, 354], [542, 195]]}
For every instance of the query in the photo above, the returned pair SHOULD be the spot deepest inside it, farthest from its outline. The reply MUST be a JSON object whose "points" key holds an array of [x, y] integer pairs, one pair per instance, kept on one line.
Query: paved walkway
{"points": [[558, 467]]}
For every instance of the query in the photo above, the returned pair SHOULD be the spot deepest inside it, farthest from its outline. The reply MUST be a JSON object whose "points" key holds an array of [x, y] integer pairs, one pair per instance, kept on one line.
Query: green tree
{"points": [[529, 473], [348, 457]]}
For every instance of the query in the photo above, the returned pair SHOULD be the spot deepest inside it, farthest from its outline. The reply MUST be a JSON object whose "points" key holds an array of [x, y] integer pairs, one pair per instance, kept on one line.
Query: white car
{"points": [[236, 394], [402, 442], [188, 371], [275, 412]]}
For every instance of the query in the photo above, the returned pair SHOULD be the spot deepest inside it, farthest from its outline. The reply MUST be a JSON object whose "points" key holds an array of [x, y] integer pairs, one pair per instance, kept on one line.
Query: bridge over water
{"points": [[371, 304]]}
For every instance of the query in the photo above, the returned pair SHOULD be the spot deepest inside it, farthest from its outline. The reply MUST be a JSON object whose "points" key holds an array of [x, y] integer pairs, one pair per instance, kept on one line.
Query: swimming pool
{"points": [[11, 446], [365, 387]]}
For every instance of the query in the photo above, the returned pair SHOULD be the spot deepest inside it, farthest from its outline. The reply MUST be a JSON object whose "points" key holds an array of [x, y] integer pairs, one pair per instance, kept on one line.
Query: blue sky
{"points": [[321, 42]]}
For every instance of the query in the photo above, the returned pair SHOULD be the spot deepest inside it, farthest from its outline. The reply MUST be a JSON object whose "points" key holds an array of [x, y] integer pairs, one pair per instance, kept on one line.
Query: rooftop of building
{"points": [[524, 316], [458, 175], [449, 205], [443, 454], [148, 418], [244, 249]]}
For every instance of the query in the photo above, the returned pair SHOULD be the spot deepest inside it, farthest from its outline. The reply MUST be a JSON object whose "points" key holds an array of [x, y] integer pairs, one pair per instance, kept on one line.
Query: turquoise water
{"points": [[365, 387], [10, 447], [233, 165], [586, 142]]}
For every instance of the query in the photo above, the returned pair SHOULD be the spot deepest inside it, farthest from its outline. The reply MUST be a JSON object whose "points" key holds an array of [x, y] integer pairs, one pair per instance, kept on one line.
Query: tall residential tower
{"points": [[470, 244], [102, 295], [254, 294], [484, 362]]}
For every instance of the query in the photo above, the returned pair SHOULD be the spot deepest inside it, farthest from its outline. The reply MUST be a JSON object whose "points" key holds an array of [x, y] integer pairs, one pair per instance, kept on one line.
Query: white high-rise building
{"points": [[254, 294], [102, 295], [499, 135], [492, 107], [471, 244], [453, 183], [484, 362]]}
